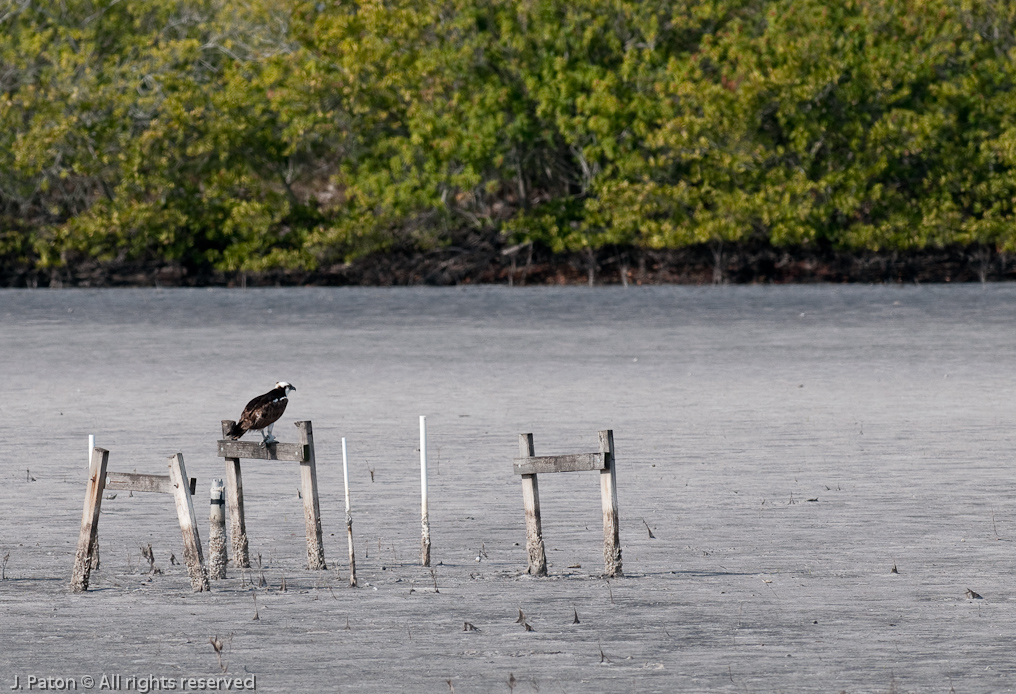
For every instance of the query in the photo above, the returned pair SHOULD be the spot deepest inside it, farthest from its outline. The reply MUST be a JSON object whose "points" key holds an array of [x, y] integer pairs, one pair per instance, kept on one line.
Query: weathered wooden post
{"points": [[95, 550], [234, 501], [88, 537], [311, 505], [531, 500], [349, 516], [188, 524], [528, 465], [424, 510], [217, 532], [608, 498]]}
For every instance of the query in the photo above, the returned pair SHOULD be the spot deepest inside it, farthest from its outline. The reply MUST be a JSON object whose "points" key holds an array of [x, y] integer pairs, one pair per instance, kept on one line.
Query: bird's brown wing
{"points": [[264, 410]]}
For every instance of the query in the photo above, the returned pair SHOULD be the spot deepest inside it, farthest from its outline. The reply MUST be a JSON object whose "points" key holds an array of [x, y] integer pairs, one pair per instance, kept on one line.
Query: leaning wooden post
{"points": [[188, 524], [234, 501], [311, 505], [531, 500], [424, 511], [608, 497], [217, 532], [87, 539], [349, 516], [95, 550]]}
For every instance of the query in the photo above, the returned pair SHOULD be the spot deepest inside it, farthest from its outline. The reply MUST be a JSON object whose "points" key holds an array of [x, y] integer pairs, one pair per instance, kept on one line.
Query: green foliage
{"points": [[241, 136]]}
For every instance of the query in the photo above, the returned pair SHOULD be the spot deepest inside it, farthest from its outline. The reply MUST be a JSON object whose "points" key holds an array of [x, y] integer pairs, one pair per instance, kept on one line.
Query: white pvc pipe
{"points": [[91, 447], [345, 474], [423, 466], [424, 517]]}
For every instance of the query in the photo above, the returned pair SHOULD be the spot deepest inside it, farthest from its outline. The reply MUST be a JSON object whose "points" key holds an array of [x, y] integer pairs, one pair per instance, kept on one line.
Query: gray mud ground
{"points": [[786, 445]]}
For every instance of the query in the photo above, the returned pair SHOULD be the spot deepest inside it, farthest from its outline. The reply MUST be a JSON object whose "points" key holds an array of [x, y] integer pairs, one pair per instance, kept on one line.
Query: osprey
{"points": [[262, 412]]}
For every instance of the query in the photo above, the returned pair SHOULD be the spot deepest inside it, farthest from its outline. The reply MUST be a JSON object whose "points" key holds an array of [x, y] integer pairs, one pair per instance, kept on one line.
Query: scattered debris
{"points": [[974, 596], [468, 626]]}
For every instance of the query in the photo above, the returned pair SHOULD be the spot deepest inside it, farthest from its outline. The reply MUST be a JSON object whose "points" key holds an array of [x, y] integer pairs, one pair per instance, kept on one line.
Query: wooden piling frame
{"points": [[303, 453], [528, 465], [176, 483]]}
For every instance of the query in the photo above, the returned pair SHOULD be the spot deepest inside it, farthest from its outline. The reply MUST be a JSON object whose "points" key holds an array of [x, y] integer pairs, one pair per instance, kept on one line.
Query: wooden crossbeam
{"points": [[577, 462], [135, 482], [251, 450]]}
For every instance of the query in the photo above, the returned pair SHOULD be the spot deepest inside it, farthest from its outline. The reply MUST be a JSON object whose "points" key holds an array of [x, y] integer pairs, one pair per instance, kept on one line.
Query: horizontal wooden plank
{"points": [[253, 450], [135, 482], [577, 462]]}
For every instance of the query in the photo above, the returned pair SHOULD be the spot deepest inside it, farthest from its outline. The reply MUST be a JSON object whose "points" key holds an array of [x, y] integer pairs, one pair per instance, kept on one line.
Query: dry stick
{"points": [[424, 513], [349, 517], [217, 531]]}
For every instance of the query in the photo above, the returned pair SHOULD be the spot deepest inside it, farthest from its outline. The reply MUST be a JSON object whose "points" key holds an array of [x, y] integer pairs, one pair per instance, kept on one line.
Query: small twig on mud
{"points": [[611, 593], [603, 656], [651, 536], [147, 553], [217, 645], [993, 527], [256, 617], [433, 577], [3, 567], [262, 581], [371, 471], [576, 620]]}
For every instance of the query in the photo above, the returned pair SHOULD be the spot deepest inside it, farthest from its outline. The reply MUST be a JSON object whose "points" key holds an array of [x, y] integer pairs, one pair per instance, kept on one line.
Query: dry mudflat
{"points": [[786, 447]]}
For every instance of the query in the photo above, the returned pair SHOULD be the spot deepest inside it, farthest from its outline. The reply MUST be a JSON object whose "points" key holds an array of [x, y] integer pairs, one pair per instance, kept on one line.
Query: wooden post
{"points": [[95, 550], [188, 524], [87, 539], [234, 501], [311, 505], [531, 500], [349, 516], [424, 510], [217, 532], [608, 497]]}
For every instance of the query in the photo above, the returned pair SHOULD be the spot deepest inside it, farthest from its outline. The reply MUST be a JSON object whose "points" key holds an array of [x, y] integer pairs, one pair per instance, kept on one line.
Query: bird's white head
{"points": [[286, 387]]}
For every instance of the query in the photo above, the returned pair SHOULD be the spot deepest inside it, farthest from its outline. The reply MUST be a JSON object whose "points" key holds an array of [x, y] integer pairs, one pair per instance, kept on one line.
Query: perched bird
{"points": [[262, 412]]}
